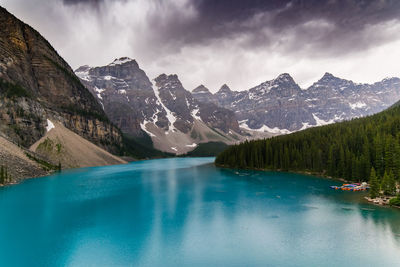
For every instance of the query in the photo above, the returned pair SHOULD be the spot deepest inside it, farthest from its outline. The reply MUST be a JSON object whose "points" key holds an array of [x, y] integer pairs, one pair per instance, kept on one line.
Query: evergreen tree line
{"points": [[349, 150], [386, 187], [5, 177]]}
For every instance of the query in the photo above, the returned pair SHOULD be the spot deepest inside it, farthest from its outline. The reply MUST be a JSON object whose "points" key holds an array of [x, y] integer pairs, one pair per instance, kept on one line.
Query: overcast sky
{"points": [[212, 42]]}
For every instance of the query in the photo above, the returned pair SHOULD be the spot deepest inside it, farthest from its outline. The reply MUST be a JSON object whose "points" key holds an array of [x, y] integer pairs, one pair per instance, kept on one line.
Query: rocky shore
{"points": [[379, 200], [382, 201]]}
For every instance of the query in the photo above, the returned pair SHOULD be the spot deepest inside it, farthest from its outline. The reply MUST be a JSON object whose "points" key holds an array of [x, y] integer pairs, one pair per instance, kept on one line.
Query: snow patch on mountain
{"points": [[192, 145], [98, 92], [171, 118], [195, 115], [120, 61], [49, 126], [143, 126], [357, 105], [320, 122], [305, 126], [264, 128], [274, 130]]}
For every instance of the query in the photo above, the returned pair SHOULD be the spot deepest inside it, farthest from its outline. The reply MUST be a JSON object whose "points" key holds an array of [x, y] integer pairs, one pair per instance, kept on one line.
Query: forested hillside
{"points": [[348, 150]]}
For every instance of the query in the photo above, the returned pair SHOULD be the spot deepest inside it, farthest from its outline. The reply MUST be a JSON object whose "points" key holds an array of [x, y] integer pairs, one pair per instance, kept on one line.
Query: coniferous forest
{"points": [[350, 150]]}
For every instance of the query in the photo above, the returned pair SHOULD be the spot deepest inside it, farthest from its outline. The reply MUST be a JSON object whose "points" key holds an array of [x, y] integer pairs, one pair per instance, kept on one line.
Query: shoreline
{"points": [[381, 201], [19, 180], [318, 175], [321, 175]]}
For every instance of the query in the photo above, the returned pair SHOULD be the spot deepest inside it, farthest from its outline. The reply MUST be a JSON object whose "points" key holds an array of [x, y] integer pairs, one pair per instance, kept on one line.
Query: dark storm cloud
{"points": [[261, 21], [88, 2], [239, 42]]}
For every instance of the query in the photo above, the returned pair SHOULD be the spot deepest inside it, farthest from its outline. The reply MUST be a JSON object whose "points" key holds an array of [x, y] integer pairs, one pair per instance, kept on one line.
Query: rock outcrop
{"points": [[37, 84]]}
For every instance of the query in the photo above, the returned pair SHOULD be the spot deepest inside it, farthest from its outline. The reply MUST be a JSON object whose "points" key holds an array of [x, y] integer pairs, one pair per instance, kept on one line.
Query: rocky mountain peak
{"points": [[202, 94], [285, 77], [83, 68], [168, 81], [328, 81], [390, 79], [123, 61], [281, 86], [225, 89], [200, 89], [122, 74], [328, 77]]}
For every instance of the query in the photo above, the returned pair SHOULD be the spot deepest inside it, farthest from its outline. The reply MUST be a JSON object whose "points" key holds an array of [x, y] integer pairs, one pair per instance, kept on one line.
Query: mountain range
{"points": [[162, 109], [281, 106], [178, 120]]}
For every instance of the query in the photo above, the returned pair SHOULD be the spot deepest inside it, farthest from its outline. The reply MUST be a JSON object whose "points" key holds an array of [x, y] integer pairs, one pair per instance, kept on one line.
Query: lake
{"points": [[187, 212]]}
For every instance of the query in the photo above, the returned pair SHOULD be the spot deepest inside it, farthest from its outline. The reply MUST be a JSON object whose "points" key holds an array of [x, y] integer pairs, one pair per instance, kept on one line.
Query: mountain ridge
{"points": [[274, 107], [282, 104], [162, 108]]}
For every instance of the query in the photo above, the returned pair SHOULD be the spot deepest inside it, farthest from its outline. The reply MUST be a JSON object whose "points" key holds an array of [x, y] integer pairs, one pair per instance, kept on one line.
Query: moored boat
{"points": [[352, 187]]}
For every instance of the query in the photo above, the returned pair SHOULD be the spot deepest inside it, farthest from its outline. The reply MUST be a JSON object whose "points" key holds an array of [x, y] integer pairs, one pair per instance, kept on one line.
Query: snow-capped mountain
{"points": [[161, 108], [125, 92], [280, 106], [178, 120]]}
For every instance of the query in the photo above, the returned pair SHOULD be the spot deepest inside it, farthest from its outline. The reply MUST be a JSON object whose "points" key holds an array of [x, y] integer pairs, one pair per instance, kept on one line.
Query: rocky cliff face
{"points": [[36, 83], [203, 94], [125, 93], [181, 102], [334, 99], [162, 109]]}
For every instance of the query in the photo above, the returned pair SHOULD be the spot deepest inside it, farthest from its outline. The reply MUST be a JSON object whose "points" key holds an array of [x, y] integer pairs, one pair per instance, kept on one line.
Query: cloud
{"points": [[241, 43], [85, 2]]}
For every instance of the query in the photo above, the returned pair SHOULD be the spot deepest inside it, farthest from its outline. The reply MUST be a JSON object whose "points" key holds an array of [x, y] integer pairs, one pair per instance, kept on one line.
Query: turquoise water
{"points": [[186, 212]]}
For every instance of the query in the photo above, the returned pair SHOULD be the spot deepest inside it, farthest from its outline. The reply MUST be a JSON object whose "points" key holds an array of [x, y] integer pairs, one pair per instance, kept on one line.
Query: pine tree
{"points": [[331, 162], [396, 161], [391, 185], [389, 154], [341, 167], [365, 161], [379, 158], [388, 184], [384, 182], [286, 160], [374, 184]]}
